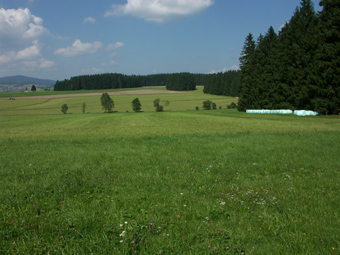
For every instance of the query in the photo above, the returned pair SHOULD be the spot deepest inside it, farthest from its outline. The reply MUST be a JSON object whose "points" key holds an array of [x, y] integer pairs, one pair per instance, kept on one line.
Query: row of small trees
{"points": [[108, 104], [64, 108], [208, 105]]}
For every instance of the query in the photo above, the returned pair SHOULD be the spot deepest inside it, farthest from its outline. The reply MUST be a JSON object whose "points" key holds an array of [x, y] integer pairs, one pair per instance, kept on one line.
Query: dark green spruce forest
{"points": [[296, 68], [299, 68], [116, 81]]}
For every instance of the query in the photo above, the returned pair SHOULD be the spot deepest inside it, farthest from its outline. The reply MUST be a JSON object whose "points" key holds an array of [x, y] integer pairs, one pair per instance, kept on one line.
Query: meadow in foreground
{"points": [[189, 182]]}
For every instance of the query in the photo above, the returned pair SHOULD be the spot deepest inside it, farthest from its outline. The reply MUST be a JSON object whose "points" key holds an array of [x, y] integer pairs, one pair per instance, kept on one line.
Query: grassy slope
{"points": [[185, 182], [178, 102], [51, 92]]}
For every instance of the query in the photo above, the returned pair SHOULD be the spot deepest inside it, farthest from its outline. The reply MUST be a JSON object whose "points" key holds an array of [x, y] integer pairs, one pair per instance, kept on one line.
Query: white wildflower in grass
{"points": [[121, 225], [181, 194], [207, 218], [123, 234], [121, 241], [126, 222], [184, 205], [222, 203]]}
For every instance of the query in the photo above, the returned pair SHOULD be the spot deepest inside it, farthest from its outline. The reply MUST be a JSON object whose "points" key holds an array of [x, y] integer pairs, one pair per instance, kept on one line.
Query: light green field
{"points": [[173, 182], [16, 94], [178, 102]]}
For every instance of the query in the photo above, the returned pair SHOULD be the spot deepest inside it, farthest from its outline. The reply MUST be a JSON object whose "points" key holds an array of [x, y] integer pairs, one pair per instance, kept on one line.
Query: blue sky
{"points": [[59, 39]]}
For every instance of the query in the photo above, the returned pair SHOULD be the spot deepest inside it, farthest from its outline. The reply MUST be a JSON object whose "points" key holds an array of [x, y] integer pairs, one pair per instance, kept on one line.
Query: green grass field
{"points": [[16, 94], [178, 102], [174, 182]]}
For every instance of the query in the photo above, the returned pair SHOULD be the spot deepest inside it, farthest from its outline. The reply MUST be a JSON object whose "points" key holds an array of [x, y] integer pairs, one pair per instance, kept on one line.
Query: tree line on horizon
{"points": [[226, 84], [116, 80], [298, 68], [181, 81]]}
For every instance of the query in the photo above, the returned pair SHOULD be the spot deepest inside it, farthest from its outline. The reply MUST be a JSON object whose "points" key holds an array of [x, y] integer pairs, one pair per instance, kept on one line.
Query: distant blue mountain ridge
{"points": [[22, 81]]}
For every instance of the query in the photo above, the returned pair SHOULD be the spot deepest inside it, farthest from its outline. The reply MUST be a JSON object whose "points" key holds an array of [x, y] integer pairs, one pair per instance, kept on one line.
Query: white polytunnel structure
{"points": [[284, 111]]}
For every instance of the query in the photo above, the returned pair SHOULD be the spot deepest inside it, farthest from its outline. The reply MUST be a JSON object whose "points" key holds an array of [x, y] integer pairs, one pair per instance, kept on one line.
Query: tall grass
{"points": [[179, 182]]}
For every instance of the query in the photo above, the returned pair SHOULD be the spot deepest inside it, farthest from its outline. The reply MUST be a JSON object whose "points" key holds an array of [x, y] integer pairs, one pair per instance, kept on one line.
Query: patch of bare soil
{"points": [[118, 93]]}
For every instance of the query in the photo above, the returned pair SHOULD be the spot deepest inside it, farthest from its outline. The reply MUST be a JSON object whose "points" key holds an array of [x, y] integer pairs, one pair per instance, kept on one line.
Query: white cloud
{"points": [[20, 50], [6, 58], [17, 27], [159, 10], [45, 63], [89, 20], [79, 48], [284, 25], [93, 70], [226, 69], [115, 46], [37, 64], [27, 53]]}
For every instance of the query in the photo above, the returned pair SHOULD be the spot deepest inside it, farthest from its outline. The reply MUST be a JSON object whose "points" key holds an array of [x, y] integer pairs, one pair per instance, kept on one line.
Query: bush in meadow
{"points": [[64, 108]]}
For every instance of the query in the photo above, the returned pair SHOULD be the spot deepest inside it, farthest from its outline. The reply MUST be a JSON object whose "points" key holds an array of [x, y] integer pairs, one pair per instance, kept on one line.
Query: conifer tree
{"points": [[299, 49], [266, 59], [327, 64], [247, 74]]}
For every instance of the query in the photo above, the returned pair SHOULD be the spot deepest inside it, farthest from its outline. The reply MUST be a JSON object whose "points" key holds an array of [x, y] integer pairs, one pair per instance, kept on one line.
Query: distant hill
{"points": [[20, 82]]}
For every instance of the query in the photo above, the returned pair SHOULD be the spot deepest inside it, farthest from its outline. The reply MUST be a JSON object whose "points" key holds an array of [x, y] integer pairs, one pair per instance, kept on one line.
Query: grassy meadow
{"points": [[175, 182], [178, 102]]}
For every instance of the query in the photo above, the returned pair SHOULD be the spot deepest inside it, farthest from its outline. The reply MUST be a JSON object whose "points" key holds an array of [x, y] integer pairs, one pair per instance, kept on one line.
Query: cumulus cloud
{"points": [[89, 20], [27, 53], [93, 70], [226, 69], [79, 48], [20, 50], [115, 46], [159, 10], [5, 58], [283, 26], [38, 64], [18, 27]]}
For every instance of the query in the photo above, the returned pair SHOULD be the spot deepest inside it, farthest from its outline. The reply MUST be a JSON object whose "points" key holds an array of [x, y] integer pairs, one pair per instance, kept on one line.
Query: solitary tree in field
{"points": [[159, 108], [136, 105], [64, 108], [33, 88], [107, 102], [84, 107], [207, 105]]}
